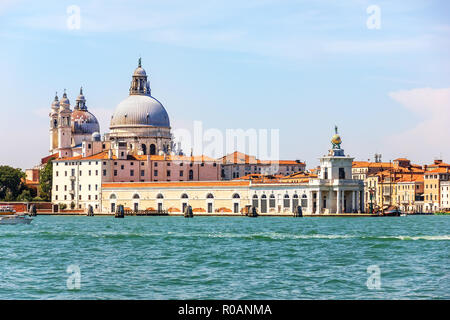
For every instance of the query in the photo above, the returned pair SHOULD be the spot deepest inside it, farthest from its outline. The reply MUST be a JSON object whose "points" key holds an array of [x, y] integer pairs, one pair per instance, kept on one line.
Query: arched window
{"points": [[144, 149], [294, 202], [159, 196], [255, 201], [272, 201], [112, 196], [136, 196], [304, 201], [152, 149], [236, 196], [286, 201], [263, 203], [184, 196], [191, 175], [209, 196]]}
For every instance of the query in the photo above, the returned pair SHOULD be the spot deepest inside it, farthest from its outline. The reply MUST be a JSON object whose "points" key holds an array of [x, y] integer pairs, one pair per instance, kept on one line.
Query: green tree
{"points": [[11, 182], [45, 181], [25, 195]]}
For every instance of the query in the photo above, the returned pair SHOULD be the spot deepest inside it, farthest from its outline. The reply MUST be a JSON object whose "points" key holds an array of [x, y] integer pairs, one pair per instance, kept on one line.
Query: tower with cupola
{"points": [[64, 127], [54, 115]]}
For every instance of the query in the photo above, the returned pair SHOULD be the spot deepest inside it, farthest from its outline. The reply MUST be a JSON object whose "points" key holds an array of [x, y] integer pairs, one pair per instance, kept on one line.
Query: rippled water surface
{"points": [[226, 258]]}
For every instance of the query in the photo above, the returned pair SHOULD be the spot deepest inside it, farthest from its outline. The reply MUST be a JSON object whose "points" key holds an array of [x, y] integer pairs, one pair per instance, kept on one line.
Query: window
{"points": [[122, 167], [57, 173], [341, 173], [286, 201], [181, 173], [89, 172], [272, 201], [184, 196], [142, 173], [191, 175], [56, 187], [168, 173], [159, 196], [104, 172], [209, 196], [155, 173], [210, 207], [132, 173], [115, 173]]}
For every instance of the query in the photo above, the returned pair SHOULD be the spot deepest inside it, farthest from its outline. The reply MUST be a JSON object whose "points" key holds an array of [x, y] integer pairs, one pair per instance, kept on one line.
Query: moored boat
{"points": [[15, 219], [392, 213], [7, 210]]}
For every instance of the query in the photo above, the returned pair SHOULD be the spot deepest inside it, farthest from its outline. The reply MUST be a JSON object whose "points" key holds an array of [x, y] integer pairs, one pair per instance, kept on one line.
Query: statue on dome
{"points": [[336, 139]]}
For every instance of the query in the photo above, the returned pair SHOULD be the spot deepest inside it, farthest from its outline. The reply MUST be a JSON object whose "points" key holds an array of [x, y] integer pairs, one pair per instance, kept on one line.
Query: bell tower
{"points": [[64, 128], [54, 114]]}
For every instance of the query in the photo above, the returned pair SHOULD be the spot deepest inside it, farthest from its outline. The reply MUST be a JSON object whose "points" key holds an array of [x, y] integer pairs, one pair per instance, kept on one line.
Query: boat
{"points": [[392, 213], [403, 214], [15, 219], [7, 210]]}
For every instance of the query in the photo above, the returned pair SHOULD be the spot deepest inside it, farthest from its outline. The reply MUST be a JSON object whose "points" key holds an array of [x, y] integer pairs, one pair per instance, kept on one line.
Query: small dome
{"points": [[84, 122], [55, 103], [139, 72], [140, 110], [64, 100], [81, 98], [96, 136]]}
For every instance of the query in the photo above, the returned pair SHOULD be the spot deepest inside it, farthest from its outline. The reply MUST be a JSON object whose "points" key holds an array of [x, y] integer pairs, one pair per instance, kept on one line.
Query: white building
{"points": [[445, 198]]}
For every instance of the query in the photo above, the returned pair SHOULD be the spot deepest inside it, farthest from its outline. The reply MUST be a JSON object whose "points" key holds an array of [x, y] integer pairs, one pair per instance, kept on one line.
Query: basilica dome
{"points": [[84, 122], [140, 110]]}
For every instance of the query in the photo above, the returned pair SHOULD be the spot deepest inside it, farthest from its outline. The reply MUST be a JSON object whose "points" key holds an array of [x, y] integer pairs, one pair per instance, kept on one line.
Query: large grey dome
{"points": [[138, 111]]}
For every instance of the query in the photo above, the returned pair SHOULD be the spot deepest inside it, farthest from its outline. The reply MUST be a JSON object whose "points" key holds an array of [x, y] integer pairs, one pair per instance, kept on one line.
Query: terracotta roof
{"points": [[104, 156], [439, 170], [242, 158], [45, 159], [176, 184]]}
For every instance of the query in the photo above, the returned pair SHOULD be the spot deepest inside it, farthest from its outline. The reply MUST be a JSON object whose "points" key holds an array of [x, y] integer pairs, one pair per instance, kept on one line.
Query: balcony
{"points": [[72, 178]]}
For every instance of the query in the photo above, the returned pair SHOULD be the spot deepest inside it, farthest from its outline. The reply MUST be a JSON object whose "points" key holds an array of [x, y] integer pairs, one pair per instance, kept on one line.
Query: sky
{"points": [[381, 75]]}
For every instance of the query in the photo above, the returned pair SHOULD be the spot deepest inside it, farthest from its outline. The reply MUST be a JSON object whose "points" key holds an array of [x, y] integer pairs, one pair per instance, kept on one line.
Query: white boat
{"points": [[15, 219]]}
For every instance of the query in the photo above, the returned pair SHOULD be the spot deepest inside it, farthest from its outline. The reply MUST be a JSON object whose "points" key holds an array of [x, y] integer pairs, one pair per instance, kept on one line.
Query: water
{"points": [[226, 258]]}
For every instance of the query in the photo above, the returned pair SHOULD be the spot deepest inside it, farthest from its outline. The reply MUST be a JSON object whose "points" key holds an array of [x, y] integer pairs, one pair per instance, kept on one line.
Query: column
{"points": [[319, 202], [353, 200], [362, 205], [358, 200], [338, 201], [310, 202], [329, 200]]}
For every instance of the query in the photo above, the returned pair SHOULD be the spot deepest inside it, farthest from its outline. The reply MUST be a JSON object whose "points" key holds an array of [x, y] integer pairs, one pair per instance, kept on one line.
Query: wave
{"points": [[268, 236]]}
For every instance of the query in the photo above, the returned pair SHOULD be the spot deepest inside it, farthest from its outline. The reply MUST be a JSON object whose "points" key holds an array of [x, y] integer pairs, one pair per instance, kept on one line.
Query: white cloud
{"points": [[429, 137]]}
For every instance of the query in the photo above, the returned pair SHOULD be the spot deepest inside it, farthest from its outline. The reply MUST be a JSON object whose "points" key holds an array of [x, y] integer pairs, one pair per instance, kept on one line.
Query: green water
{"points": [[226, 258]]}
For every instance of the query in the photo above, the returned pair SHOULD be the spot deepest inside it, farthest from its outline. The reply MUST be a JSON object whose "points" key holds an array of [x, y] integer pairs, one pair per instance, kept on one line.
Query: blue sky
{"points": [[297, 66]]}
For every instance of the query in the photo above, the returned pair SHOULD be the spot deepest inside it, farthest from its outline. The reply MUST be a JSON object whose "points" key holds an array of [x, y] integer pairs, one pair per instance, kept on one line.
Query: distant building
{"points": [[238, 164], [333, 191]]}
